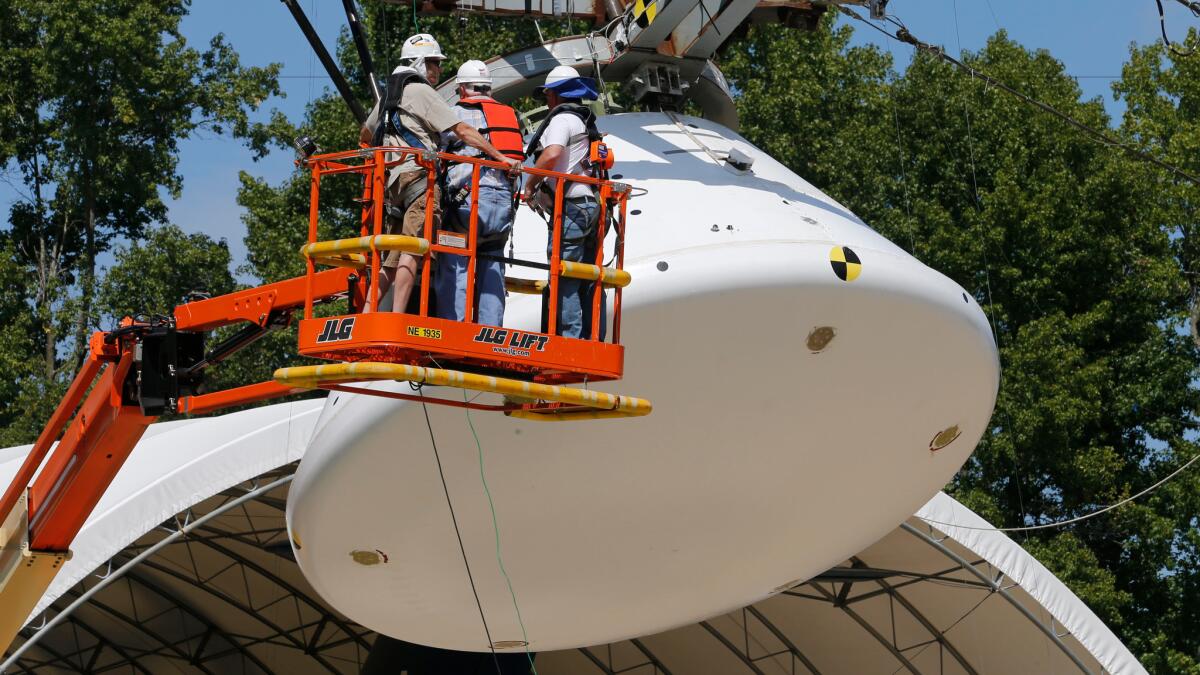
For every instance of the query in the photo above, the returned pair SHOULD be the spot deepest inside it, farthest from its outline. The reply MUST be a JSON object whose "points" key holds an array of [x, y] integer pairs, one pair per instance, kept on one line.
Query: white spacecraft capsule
{"points": [[813, 386]]}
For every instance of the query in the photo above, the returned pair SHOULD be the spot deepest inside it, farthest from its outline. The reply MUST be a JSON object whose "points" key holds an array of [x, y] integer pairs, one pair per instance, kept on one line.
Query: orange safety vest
{"points": [[500, 125]]}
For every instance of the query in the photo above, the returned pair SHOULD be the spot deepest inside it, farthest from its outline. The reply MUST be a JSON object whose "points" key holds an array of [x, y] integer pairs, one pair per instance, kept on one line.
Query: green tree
{"points": [[1083, 260], [155, 274], [97, 95], [20, 388], [1162, 95], [101, 94]]}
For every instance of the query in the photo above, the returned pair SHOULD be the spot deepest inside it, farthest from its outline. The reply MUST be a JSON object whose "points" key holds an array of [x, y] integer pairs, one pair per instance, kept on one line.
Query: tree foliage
{"points": [[1082, 259], [153, 275], [96, 97]]}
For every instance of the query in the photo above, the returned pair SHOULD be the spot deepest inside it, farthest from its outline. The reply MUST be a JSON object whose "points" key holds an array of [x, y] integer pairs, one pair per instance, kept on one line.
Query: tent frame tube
{"points": [[127, 567], [997, 588]]}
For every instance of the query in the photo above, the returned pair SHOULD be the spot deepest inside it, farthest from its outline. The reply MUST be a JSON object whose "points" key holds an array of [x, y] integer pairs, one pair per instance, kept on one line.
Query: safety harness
{"points": [[599, 158], [390, 122], [501, 128]]}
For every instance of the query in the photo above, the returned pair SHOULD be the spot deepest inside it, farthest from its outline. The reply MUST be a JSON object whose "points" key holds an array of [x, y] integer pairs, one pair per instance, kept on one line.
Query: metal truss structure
{"points": [[217, 594], [762, 646], [215, 590]]}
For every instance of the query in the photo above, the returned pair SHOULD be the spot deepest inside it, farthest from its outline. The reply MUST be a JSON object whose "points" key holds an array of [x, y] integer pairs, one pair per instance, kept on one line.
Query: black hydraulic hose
{"points": [[314, 41], [360, 41]]}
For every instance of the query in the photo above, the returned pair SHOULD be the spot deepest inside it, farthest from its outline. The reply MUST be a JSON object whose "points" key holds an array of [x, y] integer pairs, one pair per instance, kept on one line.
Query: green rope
{"points": [[416, 27], [496, 529]]}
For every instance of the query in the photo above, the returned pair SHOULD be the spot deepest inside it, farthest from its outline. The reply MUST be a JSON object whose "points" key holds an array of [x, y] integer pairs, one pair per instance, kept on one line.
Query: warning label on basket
{"points": [[452, 239]]}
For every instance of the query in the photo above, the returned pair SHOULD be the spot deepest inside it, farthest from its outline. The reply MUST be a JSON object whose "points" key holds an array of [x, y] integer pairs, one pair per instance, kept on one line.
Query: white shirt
{"points": [[569, 131]]}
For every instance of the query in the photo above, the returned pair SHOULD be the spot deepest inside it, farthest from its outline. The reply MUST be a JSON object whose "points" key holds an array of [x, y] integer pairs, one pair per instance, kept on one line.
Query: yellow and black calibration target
{"points": [[845, 263], [644, 12]]}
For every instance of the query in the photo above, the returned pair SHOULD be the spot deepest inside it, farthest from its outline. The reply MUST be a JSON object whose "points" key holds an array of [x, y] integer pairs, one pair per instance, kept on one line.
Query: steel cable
{"points": [[458, 534], [902, 34]]}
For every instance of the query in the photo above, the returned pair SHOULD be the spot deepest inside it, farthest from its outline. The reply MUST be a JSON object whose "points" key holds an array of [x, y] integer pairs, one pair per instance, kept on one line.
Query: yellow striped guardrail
{"points": [[351, 252], [568, 416], [602, 405], [606, 275]]}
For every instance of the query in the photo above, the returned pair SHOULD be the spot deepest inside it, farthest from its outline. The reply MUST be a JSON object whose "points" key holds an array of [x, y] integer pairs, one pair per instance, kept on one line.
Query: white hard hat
{"points": [[567, 83], [421, 46], [559, 74], [473, 72]]}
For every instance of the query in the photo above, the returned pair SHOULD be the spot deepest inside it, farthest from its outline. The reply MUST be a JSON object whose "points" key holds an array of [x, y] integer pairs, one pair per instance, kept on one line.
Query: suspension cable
{"points": [[902, 34], [1071, 521], [496, 529], [458, 534]]}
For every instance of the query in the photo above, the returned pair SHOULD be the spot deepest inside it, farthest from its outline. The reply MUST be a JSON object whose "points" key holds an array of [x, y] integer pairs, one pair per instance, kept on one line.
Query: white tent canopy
{"points": [[185, 566]]}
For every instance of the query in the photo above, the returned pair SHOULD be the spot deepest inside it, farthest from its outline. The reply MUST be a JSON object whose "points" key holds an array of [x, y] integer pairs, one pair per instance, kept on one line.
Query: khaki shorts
{"points": [[413, 223]]}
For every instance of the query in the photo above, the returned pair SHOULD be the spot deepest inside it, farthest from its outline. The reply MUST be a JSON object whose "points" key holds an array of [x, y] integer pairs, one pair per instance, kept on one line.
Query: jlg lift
{"points": [[144, 369], [384, 345]]}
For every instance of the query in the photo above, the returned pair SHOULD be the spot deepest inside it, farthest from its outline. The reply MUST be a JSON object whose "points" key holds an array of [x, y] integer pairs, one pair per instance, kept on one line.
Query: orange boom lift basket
{"points": [[528, 367]]}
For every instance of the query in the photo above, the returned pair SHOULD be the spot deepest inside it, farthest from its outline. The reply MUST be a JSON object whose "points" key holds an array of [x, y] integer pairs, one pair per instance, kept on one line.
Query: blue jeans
{"points": [[450, 278], [575, 295]]}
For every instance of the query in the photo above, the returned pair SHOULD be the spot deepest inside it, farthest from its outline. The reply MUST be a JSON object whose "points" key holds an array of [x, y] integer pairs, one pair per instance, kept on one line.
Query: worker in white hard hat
{"points": [[496, 207], [411, 114], [562, 144]]}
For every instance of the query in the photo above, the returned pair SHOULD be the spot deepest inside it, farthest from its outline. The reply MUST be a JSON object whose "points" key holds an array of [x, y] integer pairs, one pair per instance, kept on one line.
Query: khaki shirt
{"points": [[422, 112]]}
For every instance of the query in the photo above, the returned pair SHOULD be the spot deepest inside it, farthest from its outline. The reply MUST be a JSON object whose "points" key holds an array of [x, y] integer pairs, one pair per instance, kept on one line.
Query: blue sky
{"points": [[1091, 37]]}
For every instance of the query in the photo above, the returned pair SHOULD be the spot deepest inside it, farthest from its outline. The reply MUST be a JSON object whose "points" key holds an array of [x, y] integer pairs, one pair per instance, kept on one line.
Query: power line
{"points": [[994, 19], [1070, 521], [496, 528], [457, 533], [902, 34]]}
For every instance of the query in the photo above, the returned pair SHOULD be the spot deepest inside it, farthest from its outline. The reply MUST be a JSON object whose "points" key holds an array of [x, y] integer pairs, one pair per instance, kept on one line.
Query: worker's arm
{"points": [[546, 161], [471, 136], [366, 134]]}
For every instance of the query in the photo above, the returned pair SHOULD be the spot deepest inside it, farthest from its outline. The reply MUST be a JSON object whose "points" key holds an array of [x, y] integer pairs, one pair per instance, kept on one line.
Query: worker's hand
{"points": [[529, 198], [514, 166]]}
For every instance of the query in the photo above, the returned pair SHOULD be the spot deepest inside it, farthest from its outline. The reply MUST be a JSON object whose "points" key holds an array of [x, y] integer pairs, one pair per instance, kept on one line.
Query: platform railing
{"points": [[365, 251]]}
